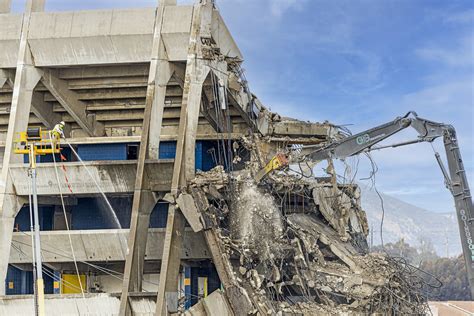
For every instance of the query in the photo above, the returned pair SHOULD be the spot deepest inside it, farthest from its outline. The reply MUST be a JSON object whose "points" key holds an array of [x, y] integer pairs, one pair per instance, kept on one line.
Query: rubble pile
{"points": [[297, 246]]}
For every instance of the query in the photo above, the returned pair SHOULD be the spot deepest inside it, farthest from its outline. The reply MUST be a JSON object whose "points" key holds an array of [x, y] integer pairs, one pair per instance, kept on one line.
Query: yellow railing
{"points": [[39, 139]]}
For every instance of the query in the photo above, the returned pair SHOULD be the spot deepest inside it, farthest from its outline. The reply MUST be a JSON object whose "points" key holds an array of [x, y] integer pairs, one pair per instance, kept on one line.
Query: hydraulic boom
{"points": [[454, 176]]}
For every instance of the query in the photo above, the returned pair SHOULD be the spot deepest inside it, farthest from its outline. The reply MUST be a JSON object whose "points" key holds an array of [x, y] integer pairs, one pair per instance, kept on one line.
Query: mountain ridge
{"points": [[412, 223]]}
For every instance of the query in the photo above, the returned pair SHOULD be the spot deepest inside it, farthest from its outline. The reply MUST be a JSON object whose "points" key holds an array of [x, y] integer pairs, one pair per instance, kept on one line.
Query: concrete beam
{"points": [[35, 5], [104, 72], [112, 177], [44, 111], [41, 109], [101, 245], [70, 101], [166, 2]]}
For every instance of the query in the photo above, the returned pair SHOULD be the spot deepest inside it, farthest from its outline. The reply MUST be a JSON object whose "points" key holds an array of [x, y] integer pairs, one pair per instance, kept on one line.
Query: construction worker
{"points": [[58, 131]]}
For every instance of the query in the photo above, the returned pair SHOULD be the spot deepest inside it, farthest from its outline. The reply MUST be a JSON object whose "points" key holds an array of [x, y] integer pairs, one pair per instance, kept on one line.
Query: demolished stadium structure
{"points": [[293, 244]]}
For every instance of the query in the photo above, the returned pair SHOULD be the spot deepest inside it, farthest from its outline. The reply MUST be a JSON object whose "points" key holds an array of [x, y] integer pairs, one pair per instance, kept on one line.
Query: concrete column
{"points": [[162, 76], [171, 260], [166, 2], [197, 70], [5, 6], [143, 199], [139, 228], [26, 78], [193, 92]]}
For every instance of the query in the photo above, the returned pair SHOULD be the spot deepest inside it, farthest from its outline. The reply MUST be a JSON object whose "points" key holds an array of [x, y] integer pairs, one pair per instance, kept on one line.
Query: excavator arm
{"points": [[455, 175]]}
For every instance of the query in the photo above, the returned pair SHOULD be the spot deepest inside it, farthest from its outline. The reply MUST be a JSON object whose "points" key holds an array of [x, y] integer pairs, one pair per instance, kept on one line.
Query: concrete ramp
{"points": [[63, 305]]}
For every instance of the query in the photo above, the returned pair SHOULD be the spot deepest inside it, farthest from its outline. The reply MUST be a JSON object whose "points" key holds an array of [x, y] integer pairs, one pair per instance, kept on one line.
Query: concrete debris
{"points": [[213, 305], [297, 246], [188, 207]]}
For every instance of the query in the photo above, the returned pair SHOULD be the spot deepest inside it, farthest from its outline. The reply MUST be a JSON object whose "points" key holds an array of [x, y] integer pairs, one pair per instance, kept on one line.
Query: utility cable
{"points": [[372, 178], [65, 217], [122, 241], [65, 255]]}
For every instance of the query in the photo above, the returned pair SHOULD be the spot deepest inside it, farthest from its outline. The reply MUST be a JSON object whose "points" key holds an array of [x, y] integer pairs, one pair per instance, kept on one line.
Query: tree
{"points": [[414, 256], [450, 271]]}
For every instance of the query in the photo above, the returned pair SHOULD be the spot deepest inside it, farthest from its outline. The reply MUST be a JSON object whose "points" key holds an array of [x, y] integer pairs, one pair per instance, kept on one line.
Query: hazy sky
{"points": [[360, 63]]}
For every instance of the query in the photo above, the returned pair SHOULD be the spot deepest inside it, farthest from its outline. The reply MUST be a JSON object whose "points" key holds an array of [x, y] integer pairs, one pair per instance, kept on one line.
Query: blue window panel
{"points": [[91, 152], [159, 215]]}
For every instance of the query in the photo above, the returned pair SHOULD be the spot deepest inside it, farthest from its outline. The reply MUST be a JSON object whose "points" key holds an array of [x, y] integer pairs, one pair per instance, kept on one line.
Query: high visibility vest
{"points": [[58, 128]]}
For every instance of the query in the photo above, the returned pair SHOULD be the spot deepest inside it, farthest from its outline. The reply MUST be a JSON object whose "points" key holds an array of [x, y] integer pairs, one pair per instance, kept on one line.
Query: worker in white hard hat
{"points": [[58, 131]]}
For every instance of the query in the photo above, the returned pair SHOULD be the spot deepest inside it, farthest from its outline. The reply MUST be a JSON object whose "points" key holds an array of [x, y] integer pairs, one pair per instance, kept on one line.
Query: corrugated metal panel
{"points": [[167, 150], [18, 281], [102, 151]]}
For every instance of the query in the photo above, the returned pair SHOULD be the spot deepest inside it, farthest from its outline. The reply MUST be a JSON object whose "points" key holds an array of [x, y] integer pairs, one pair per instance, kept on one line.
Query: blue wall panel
{"points": [[22, 219], [203, 161], [102, 151], [167, 150], [66, 152], [18, 281], [94, 213]]}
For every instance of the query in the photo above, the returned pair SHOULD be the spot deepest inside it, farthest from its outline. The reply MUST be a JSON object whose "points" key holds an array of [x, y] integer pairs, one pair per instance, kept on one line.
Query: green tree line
{"points": [[450, 271]]}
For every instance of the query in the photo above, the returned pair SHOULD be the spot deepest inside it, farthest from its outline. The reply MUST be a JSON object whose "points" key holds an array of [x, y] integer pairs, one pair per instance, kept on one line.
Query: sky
{"points": [[358, 63]]}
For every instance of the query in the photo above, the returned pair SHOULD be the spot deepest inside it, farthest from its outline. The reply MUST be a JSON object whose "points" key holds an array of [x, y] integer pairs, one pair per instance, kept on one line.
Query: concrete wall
{"points": [[110, 284], [103, 36], [100, 245]]}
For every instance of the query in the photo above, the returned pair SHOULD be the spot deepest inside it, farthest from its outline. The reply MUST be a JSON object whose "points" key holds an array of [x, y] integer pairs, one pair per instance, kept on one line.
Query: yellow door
{"points": [[71, 283]]}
